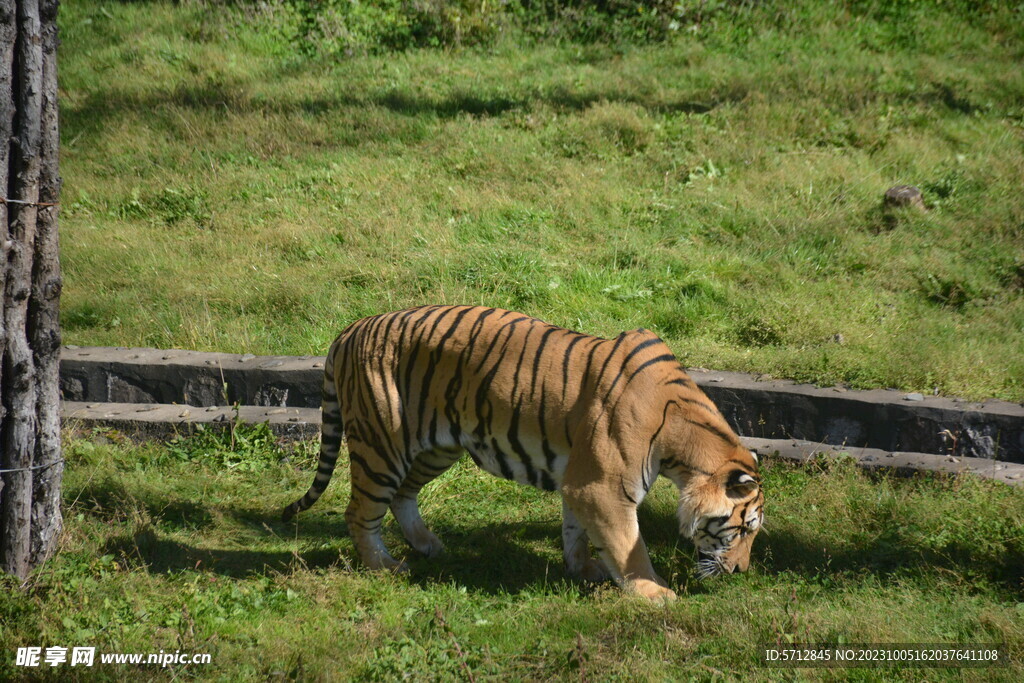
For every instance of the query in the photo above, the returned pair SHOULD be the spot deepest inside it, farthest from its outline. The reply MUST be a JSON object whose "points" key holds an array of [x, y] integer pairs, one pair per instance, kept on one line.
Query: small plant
{"points": [[238, 446], [177, 205], [170, 206], [949, 290]]}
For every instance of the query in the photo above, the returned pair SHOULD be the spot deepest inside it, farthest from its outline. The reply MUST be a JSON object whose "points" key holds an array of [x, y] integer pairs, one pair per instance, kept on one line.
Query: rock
{"points": [[914, 397], [904, 195]]}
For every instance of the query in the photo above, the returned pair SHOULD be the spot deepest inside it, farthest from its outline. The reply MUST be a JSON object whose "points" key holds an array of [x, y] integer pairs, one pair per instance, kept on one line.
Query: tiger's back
{"points": [[529, 401]]}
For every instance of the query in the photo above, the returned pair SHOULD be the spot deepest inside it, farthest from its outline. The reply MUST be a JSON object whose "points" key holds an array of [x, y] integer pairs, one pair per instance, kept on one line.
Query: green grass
{"points": [[228, 187], [226, 191], [179, 548]]}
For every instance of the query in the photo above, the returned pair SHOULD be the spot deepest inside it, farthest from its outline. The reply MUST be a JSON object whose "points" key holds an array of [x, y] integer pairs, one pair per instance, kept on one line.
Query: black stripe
{"points": [[456, 382], [517, 446], [367, 336], [640, 347], [549, 455], [432, 362], [519, 364], [664, 419], [532, 477], [377, 477], [497, 336], [502, 459], [600, 376], [731, 440], [356, 522], [671, 463], [381, 348], [416, 325], [660, 359], [366, 494], [631, 499], [566, 360], [622, 367], [584, 379], [537, 355], [404, 347], [483, 398], [608, 359], [709, 407], [433, 357], [433, 469]]}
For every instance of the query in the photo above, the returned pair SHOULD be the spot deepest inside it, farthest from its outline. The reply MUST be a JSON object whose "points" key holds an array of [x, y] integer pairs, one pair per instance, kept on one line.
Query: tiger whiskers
{"points": [[708, 567]]}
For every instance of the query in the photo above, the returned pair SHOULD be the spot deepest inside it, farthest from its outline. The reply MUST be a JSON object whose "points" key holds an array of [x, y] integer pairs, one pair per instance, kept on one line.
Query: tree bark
{"points": [[30, 335], [44, 310]]}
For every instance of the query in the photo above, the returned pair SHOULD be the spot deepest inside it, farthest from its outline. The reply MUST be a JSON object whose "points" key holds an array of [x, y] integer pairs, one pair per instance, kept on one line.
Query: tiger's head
{"points": [[722, 514]]}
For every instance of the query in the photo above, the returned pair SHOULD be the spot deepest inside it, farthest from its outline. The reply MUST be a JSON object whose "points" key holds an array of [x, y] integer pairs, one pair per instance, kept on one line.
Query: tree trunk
{"points": [[29, 333]]}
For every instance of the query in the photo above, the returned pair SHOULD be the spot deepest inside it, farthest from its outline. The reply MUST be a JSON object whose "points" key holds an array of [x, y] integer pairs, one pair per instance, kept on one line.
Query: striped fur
{"points": [[596, 419]]}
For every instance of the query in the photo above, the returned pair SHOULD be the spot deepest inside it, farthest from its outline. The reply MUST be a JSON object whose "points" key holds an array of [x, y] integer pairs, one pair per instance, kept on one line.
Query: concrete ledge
{"points": [[160, 421], [881, 418], [148, 421], [101, 374], [877, 459], [776, 409]]}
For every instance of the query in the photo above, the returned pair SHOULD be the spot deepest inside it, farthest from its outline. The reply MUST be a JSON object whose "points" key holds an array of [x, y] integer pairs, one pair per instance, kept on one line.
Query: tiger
{"points": [[595, 419]]}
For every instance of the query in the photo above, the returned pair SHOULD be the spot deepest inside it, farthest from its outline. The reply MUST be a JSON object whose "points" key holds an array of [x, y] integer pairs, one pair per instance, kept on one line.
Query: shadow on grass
{"points": [[469, 560], [496, 557], [96, 111], [111, 501]]}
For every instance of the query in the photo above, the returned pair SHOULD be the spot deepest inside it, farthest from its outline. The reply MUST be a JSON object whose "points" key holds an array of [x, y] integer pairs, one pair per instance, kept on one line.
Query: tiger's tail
{"points": [[331, 434]]}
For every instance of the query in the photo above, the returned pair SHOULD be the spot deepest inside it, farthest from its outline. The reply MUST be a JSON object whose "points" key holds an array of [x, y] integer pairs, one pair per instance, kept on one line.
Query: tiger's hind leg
{"points": [[576, 550], [374, 483], [425, 468]]}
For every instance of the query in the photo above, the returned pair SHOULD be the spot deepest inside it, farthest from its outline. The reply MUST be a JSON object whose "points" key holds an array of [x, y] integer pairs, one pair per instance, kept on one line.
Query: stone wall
{"points": [[775, 409]]}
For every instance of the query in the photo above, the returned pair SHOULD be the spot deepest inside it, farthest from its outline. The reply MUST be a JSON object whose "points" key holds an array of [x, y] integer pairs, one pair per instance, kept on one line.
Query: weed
{"points": [[239, 446]]}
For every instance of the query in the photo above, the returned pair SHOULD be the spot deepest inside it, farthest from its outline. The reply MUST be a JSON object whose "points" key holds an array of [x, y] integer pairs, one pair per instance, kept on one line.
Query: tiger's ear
{"points": [[740, 484]]}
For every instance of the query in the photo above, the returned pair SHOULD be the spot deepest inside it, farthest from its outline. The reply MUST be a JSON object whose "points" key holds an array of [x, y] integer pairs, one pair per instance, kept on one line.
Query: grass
{"points": [[225, 190], [228, 188], [178, 548]]}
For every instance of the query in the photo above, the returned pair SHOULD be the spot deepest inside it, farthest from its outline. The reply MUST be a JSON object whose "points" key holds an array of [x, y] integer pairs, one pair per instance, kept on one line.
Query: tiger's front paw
{"points": [[652, 591]]}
